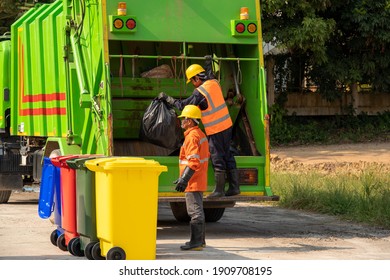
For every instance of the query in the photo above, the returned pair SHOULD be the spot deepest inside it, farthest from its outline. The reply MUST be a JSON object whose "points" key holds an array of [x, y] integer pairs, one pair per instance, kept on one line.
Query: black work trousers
{"points": [[221, 156], [194, 205]]}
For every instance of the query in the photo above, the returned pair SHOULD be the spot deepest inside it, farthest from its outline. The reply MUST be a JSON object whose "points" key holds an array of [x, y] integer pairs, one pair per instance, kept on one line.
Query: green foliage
{"points": [[334, 43], [10, 10], [294, 130], [277, 113], [295, 26], [362, 197]]}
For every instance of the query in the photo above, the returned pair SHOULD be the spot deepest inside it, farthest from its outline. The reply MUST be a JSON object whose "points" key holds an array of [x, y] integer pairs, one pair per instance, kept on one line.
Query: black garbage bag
{"points": [[160, 125]]}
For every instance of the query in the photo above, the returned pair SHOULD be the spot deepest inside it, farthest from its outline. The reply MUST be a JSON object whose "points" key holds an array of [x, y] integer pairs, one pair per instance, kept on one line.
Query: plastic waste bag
{"points": [[160, 125]]}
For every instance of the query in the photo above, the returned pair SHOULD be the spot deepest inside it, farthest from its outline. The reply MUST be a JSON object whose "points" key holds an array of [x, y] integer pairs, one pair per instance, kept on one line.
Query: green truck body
{"points": [[77, 76]]}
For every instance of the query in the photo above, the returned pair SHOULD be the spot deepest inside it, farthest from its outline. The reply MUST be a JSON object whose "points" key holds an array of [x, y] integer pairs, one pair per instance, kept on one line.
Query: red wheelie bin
{"points": [[68, 204], [85, 208]]}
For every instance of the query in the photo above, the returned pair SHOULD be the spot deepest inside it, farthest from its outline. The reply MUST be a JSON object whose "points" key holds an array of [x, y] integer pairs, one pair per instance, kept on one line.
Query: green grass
{"points": [[360, 197]]}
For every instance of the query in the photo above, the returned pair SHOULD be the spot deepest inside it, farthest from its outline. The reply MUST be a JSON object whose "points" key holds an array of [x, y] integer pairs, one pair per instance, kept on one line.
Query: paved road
{"points": [[246, 232]]}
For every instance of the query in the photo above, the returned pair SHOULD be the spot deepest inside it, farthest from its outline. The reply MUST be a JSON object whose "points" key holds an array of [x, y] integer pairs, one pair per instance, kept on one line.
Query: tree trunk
{"points": [[270, 64]]}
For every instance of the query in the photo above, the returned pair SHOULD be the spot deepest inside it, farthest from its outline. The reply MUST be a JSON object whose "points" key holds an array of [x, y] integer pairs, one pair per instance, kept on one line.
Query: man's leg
{"points": [[217, 154], [194, 204]]}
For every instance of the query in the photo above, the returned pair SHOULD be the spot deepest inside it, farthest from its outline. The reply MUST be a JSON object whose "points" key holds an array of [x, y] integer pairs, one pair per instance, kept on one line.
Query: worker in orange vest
{"points": [[193, 164], [218, 125]]}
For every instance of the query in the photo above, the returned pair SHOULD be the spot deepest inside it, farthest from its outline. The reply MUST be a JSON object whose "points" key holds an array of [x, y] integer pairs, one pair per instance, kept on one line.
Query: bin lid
{"points": [[120, 163], [60, 161], [79, 162]]}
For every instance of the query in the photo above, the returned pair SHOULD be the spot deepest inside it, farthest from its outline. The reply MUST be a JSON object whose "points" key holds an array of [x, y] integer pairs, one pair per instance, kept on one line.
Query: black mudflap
{"points": [[11, 182]]}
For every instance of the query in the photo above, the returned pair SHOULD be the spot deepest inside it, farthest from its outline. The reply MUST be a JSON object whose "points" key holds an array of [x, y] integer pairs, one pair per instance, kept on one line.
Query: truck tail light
{"points": [[248, 176], [118, 23], [131, 23], [240, 27], [252, 28]]}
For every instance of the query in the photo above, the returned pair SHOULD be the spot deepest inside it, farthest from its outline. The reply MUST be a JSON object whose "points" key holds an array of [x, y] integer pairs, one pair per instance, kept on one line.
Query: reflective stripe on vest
{"points": [[201, 160], [198, 181], [216, 117], [185, 162]]}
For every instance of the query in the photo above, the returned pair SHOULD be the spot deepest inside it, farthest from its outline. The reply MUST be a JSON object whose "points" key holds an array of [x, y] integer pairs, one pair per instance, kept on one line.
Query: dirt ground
{"points": [[249, 231], [332, 158]]}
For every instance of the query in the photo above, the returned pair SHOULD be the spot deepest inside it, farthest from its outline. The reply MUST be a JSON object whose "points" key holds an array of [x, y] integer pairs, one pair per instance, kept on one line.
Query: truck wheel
{"points": [[4, 196], [179, 210], [213, 215]]}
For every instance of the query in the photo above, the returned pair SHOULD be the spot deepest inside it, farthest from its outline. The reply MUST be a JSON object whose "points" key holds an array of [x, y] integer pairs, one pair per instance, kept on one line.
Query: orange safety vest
{"points": [[195, 154], [216, 117]]}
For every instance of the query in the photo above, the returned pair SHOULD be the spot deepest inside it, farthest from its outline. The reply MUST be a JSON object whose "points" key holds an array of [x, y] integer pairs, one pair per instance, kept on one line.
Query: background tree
{"points": [[8, 13], [10, 10], [334, 43]]}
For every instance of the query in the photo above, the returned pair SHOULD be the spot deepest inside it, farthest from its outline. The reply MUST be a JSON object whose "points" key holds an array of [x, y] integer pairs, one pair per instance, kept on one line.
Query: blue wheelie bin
{"points": [[49, 205]]}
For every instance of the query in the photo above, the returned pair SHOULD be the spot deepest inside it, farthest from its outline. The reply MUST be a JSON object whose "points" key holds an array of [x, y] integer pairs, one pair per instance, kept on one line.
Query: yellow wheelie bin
{"points": [[126, 207]]}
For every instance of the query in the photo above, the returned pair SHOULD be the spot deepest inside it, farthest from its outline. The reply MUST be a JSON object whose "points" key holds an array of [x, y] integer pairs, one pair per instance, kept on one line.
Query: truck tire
{"points": [[4, 196], [179, 210], [213, 215]]}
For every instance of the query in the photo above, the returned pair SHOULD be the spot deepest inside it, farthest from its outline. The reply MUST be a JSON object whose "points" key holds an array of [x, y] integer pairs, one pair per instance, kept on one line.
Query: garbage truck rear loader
{"points": [[84, 72]]}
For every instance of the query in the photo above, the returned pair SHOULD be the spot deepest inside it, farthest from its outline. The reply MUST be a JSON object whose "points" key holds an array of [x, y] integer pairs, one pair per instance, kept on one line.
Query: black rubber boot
{"points": [[203, 237], [234, 188], [219, 184], [196, 242]]}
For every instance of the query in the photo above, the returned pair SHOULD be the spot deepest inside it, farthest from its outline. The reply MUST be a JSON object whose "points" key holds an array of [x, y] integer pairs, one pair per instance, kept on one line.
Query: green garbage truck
{"points": [[77, 76]]}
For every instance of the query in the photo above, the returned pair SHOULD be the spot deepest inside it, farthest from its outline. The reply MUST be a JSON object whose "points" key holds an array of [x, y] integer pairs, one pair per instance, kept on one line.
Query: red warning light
{"points": [[131, 23], [240, 27]]}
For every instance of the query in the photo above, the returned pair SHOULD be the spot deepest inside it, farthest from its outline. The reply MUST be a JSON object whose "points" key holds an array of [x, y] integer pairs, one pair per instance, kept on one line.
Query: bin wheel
{"points": [[54, 237], [88, 250], [96, 252], [61, 242], [74, 247], [116, 253]]}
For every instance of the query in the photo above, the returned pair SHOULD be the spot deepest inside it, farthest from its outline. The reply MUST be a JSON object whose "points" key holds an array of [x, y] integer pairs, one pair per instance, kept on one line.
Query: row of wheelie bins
{"points": [[102, 207]]}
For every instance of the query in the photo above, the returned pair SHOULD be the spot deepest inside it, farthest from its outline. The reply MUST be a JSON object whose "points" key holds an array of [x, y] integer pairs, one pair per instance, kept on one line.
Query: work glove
{"points": [[182, 182], [208, 66], [164, 97]]}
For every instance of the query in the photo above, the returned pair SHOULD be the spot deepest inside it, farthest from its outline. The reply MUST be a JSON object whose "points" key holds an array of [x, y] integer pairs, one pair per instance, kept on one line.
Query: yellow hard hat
{"points": [[191, 111], [193, 70]]}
